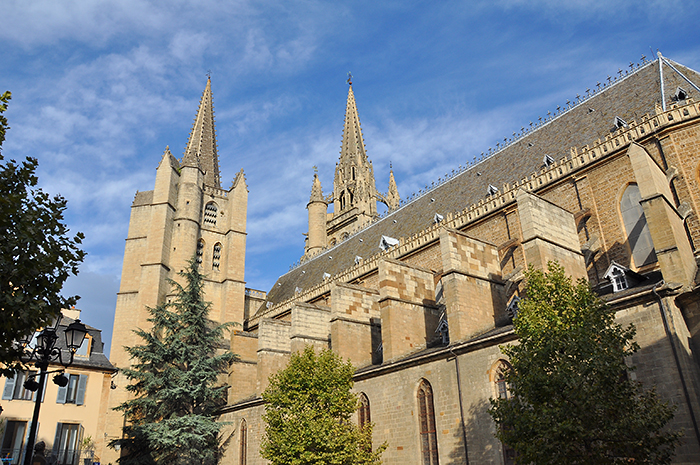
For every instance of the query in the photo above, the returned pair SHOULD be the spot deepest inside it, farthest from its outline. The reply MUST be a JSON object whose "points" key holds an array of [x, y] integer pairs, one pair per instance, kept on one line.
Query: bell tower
{"points": [[186, 216]]}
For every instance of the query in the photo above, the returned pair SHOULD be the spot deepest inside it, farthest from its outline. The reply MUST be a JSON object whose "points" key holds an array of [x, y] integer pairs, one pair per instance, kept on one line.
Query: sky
{"points": [[101, 87]]}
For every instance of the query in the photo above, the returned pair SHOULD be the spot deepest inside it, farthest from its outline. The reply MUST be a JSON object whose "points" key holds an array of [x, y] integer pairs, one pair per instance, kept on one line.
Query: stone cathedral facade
{"points": [[420, 298]]}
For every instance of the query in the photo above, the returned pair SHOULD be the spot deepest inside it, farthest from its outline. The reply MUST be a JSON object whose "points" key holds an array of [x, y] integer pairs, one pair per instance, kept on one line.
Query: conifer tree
{"points": [[174, 382], [308, 410], [571, 399]]}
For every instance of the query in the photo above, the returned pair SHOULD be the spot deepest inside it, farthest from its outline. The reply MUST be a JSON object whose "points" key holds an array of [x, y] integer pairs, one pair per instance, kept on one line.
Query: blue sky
{"points": [[100, 88]]}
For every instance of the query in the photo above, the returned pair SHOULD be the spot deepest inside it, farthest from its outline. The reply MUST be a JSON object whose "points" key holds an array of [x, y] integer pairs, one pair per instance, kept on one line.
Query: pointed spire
{"points": [[353, 144], [201, 147], [393, 198], [316, 190]]}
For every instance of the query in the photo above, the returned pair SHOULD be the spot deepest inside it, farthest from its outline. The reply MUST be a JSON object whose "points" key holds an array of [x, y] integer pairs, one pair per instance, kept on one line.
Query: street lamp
{"points": [[45, 352]]}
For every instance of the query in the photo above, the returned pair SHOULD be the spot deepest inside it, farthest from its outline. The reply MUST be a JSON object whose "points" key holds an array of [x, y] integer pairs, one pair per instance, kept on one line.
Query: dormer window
{"points": [[492, 190], [358, 259], [680, 94], [438, 218], [387, 242], [618, 276], [620, 123], [548, 161]]}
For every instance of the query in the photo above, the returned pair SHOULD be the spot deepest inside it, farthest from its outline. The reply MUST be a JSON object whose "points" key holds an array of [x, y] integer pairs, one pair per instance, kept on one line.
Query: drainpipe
{"points": [[663, 310], [461, 408]]}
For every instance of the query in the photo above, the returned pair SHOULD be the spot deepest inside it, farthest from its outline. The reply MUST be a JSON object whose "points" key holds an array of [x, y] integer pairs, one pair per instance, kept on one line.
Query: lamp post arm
{"points": [[42, 365]]}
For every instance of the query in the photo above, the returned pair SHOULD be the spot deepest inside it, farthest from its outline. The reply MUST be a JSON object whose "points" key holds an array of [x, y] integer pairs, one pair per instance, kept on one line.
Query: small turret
{"points": [[318, 209]]}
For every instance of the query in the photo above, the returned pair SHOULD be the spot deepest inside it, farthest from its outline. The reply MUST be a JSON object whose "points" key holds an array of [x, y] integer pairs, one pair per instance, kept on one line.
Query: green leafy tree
{"points": [[572, 401], [174, 380], [36, 253], [308, 413]]}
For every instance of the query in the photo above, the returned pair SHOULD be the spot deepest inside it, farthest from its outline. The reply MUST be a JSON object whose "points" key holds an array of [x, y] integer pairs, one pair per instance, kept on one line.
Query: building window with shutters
{"points": [[426, 418], [66, 445], [13, 441], [14, 387], [244, 443], [74, 391]]}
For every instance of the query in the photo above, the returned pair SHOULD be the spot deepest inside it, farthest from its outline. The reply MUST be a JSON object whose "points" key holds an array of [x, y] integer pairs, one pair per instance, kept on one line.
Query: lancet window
{"points": [[210, 212], [243, 443], [216, 256], [426, 417]]}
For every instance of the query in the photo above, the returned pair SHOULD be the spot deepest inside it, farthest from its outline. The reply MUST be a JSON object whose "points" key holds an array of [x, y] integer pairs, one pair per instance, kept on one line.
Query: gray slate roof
{"points": [[629, 97]]}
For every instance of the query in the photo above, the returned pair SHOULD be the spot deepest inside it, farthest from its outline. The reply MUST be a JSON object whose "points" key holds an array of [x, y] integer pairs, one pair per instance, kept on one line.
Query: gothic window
{"points": [[502, 368], [344, 236], [502, 392], [638, 235], [244, 443], [352, 197], [200, 251], [342, 200], [216, 256], [363, 415], [426, 417], [210, 211], [353, 173]]}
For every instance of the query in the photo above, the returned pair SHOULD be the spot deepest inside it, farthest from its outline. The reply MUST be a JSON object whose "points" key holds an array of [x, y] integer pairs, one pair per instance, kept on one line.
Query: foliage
{"points": [[175, 382], [36, 253], [308, 414], [572, 400]]}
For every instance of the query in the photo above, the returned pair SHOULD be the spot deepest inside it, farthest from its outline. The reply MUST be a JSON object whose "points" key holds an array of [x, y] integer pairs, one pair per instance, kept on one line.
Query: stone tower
{"points": [[354, 194], [187, 215]]}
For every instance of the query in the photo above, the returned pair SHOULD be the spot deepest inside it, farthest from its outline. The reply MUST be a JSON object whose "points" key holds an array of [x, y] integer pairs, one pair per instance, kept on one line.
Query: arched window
{"points": [[498, 376], [635, 222], [244, 443], [344, 236], [200, 251], [342, 200], [216, 256], [426, 417], [363, 415], [210, 211], [501, 369]]}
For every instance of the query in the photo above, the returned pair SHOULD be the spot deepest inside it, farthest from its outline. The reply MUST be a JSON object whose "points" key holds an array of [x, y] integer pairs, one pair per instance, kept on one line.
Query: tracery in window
{"points": [[216, 256], [426, 418], [210, 212], [635, 222], [363, 415]]}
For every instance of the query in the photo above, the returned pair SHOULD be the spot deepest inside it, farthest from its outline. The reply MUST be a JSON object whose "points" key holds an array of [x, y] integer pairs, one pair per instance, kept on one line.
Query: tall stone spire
{"points": [[201, 147], [354, 186]]}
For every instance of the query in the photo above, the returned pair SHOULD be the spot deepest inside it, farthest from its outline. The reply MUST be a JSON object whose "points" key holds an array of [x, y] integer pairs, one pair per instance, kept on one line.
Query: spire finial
{"points": [[315, 169], [349, 81]]}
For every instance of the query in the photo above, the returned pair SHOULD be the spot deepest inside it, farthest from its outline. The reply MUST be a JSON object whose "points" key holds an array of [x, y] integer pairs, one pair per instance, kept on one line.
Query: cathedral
{"points": [[420, 298]]}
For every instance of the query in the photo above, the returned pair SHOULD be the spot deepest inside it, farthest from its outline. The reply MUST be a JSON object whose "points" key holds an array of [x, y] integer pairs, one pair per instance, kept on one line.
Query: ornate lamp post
{"points": [[45, 352]]}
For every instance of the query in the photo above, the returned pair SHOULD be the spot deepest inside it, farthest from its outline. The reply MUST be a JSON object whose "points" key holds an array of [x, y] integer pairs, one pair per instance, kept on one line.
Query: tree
{"points": [[308, 414], [571, 398], [36, 253], [175, 382]]}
